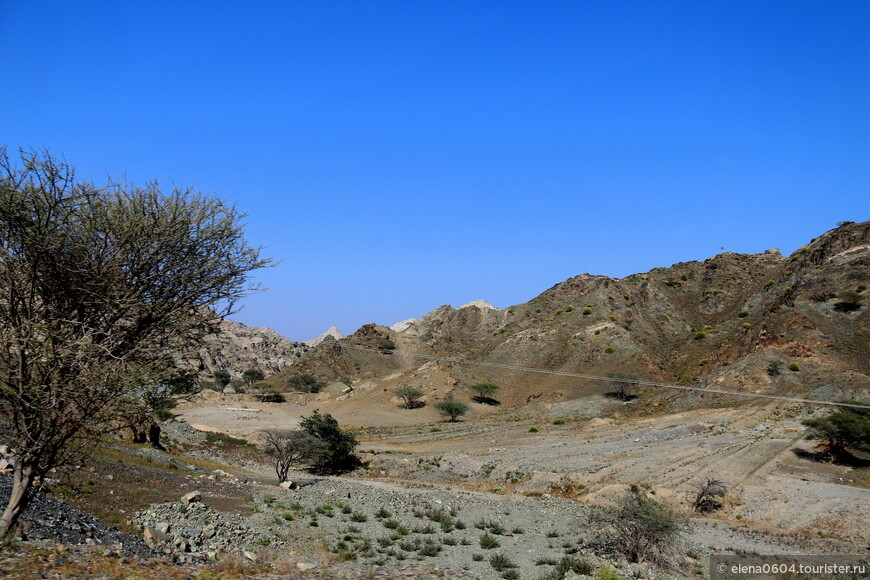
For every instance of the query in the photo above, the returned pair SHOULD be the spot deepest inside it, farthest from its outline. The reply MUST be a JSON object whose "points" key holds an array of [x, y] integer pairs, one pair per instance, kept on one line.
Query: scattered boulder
{"points": [[191, 497]]}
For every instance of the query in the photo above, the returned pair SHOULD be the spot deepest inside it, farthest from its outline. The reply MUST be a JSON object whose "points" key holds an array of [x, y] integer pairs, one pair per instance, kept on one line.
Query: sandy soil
{"points": [[771, 489]]}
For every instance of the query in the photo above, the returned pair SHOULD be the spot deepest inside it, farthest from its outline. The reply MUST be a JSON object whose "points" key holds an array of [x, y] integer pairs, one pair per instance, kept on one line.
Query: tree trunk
{"points": [[22, 479]]}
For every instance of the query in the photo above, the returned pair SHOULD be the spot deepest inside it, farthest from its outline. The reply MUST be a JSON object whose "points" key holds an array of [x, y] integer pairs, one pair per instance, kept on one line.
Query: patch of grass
{"points": [[610, 350], [700, 335], [359, 518], [477, 557], [794, 367], [558, 422], [742, 314], [488, 542], [212, 437], [500, 562], [533, 429], [382, 513]]}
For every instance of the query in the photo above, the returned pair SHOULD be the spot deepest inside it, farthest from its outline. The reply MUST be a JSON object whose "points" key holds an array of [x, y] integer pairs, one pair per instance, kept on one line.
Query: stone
{"points": [[208, 532], [5, 465], [191, 497], [162, 527], [305, 566], [288, 485], [154, 537], [249, 555]]}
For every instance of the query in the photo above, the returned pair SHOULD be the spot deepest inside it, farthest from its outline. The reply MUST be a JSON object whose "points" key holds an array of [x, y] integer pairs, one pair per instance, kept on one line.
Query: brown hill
{"points": [[734, 321]]}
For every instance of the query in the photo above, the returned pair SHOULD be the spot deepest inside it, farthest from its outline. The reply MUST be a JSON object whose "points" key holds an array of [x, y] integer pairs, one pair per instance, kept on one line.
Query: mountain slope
{"points": [[734, 321]]}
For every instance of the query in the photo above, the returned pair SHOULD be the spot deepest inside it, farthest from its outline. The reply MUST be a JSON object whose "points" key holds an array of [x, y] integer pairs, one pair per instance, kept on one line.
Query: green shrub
{"points": [[558, 312], [597, 332], [477, 557], [488, 542], [501, 562], [700, 335], [861, 287], [609, 350], [451, 408], [337, 454], [746, 326], [643, 529], [569, 308], [769, 283], [305, 383], [707, 327], [410, 395], [794, 367], [742, 314], [533, 429], [558, 422], [844, 429], [613, 318], [587, 311], [684, 278]]}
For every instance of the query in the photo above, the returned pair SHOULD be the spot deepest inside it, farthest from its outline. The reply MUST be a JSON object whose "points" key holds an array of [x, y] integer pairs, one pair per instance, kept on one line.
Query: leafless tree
{"points": [[708, 492], [289, 447], [97, 284]]}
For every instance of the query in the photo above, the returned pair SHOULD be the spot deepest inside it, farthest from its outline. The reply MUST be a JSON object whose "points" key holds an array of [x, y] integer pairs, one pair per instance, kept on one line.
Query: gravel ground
{"points": [[47, 518]]}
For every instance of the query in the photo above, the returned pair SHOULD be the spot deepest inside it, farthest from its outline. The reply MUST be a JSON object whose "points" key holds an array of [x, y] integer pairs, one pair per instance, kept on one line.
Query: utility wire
{"points": [[610, 379]]}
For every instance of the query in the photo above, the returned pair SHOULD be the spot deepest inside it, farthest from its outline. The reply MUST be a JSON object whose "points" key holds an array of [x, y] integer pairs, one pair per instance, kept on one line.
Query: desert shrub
{"points": [[700, 335], [861, 287], [533, 429], [477, 557], [305, 383], [613, 318], [708, 492], [558, 312], [794, 367], [684, 278], [224, 438], [769, 283], [222, 378], [773, 367], [742, 314], [570, 308], [339, 445], [252, 375], [410, 396], [266, 393], [849, 301], [587, 311], [451, 408], [643, 530], [610, 350], [558, 422], [484, 392], [386, 344], [289, 447], [500, 562], [488, 542], [846, 428], [746, 326]]}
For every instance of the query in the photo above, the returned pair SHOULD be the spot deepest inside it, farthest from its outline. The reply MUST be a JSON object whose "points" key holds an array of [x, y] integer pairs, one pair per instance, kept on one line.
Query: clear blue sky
{"points": [[403, 155]]}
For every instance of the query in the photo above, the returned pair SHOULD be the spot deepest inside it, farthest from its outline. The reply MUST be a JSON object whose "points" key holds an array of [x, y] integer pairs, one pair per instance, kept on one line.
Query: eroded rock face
{"points": [[237, 348]]}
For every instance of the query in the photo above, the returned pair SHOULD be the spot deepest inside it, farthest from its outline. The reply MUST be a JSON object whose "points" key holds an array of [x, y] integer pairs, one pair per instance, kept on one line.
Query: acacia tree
{"points": [[97, 284], [288, 447], [410, 396]]}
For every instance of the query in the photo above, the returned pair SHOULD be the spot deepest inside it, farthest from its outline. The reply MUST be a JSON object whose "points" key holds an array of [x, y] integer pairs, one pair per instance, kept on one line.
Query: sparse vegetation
{"points": [[411, 396], [643, 530], [289, 448], [846, 428], [700, 335], [794, 367], [587, 311], [484, 393], [610, 350], [708, 493], [451, 408], [305, 383], [338, 445]]}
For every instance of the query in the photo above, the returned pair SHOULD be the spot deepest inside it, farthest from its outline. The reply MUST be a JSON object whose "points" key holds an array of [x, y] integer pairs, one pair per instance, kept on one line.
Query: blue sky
{"points": [[403, 155]]}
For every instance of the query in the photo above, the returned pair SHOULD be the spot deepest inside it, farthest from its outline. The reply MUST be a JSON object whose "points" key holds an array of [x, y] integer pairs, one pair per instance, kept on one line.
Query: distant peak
{"points": [[331, 331], [482, 304]]}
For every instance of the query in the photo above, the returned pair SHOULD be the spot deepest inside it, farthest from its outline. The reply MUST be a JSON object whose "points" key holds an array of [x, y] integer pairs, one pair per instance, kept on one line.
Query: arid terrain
{"points": [[536, 466]]}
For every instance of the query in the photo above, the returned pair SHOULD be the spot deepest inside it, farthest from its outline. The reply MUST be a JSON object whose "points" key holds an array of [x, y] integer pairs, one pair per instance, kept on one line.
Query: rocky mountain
{"points": [[331, 331], [748, 322], [237, 348]]}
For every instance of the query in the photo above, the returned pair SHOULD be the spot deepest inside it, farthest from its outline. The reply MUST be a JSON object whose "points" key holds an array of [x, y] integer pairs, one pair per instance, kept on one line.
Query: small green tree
{"points": [[338, 445], [451, 408], [484, 392], [289, 448], [410, 396], [846, 428], [252, 376], [305, 383], [222, 378], [642, 529]]}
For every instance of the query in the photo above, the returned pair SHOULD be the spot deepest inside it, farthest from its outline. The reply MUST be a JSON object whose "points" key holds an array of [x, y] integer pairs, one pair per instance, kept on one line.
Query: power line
{"points": [[610, 379]]}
